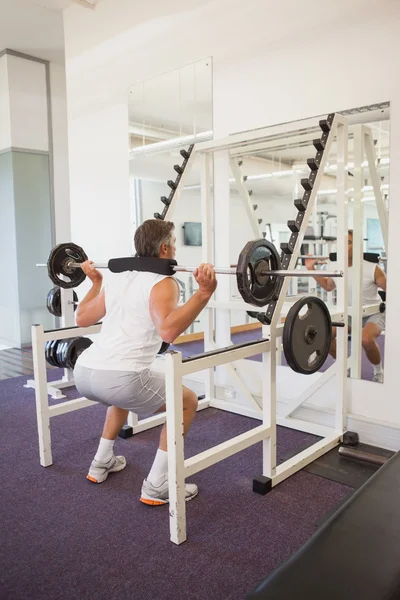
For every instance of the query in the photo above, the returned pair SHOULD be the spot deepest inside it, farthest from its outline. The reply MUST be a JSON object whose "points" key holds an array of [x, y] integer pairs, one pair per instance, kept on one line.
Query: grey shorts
{"points": [[143, 392], [377, 318]]}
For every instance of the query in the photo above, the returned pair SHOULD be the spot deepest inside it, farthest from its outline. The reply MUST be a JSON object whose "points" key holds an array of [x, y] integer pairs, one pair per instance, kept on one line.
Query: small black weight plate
{"points": [[60, 353], [53, 302], [47, 351], [164, 348], [53, 353], [307, 335], [255, 286], [74, 348], [57, 265]]}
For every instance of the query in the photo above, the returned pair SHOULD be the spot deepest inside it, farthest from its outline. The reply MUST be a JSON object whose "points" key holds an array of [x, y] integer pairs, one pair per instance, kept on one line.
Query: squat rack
{"points": [[176, 368]]}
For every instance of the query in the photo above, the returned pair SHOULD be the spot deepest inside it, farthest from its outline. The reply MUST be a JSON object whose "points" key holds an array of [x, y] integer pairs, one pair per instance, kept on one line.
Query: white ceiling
{"points": [[32, 29], [35, 27], [57, 5]]}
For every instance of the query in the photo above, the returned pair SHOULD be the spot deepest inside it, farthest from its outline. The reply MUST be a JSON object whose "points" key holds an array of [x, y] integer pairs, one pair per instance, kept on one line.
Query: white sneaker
{"points": [[98, 471], [158, 495], [378, 377]]}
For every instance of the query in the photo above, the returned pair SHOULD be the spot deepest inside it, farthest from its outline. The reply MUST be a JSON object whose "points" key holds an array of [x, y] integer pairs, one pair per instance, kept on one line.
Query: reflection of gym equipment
{"points": [[180, 169]]}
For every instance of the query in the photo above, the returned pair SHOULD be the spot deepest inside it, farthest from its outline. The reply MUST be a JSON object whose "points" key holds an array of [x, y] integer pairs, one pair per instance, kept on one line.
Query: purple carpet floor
{"points": [[63, 537], [367, 371]]}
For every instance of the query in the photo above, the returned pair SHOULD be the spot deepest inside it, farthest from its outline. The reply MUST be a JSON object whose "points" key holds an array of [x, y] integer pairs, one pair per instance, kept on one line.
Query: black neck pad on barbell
{"points": [[162, 266]]}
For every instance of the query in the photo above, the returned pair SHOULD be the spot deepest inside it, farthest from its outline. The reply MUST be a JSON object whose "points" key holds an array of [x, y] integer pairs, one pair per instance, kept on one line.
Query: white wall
{"points": [[5, 125], [99, 183], [62, 211], [280, 61], [27, 88]]}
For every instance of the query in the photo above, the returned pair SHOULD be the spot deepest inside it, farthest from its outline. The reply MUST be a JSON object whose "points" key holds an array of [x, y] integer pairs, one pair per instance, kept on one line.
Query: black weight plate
{"points": [[164, 348], [53, 302], [253, 284], [53, 353], [57, 265], [60, 357], [307, 335], [47, 351], [74, 348]]}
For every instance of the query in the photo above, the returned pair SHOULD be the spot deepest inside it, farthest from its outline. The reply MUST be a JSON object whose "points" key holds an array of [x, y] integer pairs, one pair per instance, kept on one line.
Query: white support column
{"points": [[269, 404], [245, 196], [294, 284], [357, 270], [376, 184], [222, 233], [176, 459], [341, 283], [67, 320], [207, 229], [42, 404]]}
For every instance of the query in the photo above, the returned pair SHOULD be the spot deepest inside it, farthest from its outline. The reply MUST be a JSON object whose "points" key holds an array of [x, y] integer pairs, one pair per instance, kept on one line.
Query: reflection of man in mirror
{"points": [[373, 325]]}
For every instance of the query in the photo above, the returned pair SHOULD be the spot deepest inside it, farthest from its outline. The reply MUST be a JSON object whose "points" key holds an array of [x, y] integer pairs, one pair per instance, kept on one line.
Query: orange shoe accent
{"points": [[152, 502], [91, 479]]}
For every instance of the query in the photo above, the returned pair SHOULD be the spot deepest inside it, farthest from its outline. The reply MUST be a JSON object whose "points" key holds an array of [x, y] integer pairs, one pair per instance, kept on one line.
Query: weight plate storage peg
{"points": [[255, 286], [307, 335]]}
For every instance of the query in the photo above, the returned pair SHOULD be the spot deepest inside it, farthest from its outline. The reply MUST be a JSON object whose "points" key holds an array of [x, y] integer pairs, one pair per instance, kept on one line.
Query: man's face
{"points": [[171, 248], [350, 247]]}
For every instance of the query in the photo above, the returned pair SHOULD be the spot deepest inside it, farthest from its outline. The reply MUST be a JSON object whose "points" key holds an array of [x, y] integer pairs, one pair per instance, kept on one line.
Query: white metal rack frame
{"points": [[178, 467], [54, 388], [176, 368]]}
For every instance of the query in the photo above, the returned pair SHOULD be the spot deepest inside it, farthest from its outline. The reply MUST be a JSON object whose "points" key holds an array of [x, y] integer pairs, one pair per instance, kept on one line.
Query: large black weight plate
{"points": [[307, 335], [254, 286], [74, 348], [53, 302], [57, 265]]}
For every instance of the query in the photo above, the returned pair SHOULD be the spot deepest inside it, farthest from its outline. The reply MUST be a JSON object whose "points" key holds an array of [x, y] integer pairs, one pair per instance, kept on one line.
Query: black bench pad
{"points": [[354, 555]]}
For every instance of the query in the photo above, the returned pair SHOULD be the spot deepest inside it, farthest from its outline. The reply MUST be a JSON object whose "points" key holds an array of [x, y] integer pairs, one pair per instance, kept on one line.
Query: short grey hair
{"points": [[151, 235]]}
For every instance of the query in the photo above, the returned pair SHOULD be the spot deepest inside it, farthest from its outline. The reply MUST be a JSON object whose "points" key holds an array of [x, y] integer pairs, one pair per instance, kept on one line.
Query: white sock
{"points": [[378, 369], [105, 450], [159, 468]]}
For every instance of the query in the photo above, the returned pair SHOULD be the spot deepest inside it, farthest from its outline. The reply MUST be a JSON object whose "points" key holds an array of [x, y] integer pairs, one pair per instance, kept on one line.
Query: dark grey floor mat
{"points": [[347, 471]]}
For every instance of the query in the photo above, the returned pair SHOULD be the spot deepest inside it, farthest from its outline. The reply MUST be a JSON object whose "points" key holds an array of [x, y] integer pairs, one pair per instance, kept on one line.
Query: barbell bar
{"points": [[71, 265], [258, 272]]}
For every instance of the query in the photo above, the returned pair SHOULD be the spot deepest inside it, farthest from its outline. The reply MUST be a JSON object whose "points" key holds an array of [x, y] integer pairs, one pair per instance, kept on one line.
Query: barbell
{"points": [[258, 271]]}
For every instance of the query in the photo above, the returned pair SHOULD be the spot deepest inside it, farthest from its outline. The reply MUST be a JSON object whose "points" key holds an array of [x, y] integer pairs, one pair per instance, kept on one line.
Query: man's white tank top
{"points": [[128, 340], [369, 289]]}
